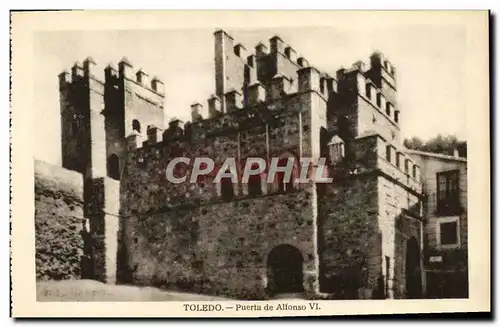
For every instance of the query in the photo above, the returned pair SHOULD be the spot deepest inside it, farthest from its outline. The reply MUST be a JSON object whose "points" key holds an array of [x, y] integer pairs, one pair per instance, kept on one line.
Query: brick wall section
{"points": [[58, 222]]}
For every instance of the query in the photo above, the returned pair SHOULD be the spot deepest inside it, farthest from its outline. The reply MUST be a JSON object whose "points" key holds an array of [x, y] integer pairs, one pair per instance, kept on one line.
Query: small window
{"points": [[448, 233], [136, 125], [114, 167], [227, 188], [254, 183], [448, 192], [322, 85], [396, 116], [388, 154], [407, 165], [388, 108], [368, 91], [398, 156], [414, 172], [379, 99]]}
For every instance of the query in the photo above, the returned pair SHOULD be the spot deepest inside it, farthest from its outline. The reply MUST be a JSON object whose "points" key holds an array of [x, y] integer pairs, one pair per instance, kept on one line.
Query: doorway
{"points": [[413, 270], [284, 265]]}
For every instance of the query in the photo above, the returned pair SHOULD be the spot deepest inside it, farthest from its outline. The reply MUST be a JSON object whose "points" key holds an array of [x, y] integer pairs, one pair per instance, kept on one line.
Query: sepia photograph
{"points": [[235, 168]]}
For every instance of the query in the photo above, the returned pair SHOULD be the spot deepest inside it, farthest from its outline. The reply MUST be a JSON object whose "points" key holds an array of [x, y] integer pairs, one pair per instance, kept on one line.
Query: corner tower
{"points": [[134, 102], [367, 101], [82, 124], [99, 110], [97, 114]]}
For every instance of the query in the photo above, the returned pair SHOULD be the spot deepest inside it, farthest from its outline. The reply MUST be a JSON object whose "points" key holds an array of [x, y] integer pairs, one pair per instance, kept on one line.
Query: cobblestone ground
{"points": [[90, 290]]}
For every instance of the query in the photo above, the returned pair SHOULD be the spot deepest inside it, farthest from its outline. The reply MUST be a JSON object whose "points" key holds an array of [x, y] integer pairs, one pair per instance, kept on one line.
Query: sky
{"points": [[429, 59]]}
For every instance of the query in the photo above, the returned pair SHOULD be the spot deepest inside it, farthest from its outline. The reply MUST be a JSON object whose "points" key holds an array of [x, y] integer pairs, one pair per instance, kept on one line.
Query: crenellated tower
{"points": [[99, 108], [366, 101], [98, 111]]}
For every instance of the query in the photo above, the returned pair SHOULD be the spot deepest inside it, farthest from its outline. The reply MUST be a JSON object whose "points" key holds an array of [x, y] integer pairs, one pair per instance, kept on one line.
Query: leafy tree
{"points": [[439, 144]]}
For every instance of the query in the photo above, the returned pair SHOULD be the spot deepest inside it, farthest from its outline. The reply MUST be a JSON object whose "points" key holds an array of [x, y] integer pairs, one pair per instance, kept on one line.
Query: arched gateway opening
{"points": [[413, 270], [284, 266]]}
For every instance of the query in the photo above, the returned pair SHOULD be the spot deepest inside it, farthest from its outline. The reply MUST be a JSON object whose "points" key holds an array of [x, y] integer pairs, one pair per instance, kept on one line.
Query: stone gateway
{"points": [[357, 237]]}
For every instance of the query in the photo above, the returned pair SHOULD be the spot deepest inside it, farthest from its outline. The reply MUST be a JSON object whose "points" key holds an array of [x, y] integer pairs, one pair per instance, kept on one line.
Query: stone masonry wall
{"points": [[350, 249], [261, 132], [59, 222], [399, 221], [218, 248]]}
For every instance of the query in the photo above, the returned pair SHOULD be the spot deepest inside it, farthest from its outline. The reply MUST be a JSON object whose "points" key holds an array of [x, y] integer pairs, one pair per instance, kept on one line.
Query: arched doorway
{"points": [[413, 270], [254, 182], [226, 188], [284, 266]]}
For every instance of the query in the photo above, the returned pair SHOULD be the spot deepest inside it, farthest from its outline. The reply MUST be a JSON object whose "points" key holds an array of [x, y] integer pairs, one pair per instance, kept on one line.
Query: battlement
{"points": [[140, 77], [111, 75], [378, 60], [278, 46], [236, 68], [359, 78], [80, 71], [382, 72], [388, 157], [199, 129]]}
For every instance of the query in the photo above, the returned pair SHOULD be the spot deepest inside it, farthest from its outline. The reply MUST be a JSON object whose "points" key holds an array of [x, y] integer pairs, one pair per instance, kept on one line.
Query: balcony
{"points": [[449, 206]]}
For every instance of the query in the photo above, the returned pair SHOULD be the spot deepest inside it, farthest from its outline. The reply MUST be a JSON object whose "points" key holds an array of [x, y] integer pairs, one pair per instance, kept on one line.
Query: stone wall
{"points": [[349, 245], [218, 248], [283, 128], [59, 222], [399, 221]]}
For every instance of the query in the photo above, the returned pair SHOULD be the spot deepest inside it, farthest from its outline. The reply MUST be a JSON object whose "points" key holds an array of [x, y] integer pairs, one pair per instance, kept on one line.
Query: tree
{"points": [[439, 144]]}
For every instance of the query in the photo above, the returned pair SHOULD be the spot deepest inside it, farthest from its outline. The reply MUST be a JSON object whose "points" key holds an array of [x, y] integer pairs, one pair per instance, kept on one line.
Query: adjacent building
{"points": [[445, 243]]}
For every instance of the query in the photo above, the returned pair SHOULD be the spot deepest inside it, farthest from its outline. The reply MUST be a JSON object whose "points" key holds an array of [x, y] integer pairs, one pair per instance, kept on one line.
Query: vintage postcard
{"points": [[250, 163]]}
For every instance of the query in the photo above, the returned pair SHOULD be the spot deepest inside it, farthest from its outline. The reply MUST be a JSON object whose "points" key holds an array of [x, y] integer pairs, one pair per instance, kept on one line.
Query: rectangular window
{"points": [[407, 165], [388, 108], [447, 193], [448, 232], [322, 85], [388, 151], [368, 91], [379, 99]]}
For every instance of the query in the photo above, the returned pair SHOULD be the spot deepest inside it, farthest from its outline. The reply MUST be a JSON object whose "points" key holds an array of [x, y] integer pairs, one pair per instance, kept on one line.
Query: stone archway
{"points": [[413, 270], [284, 266]]}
